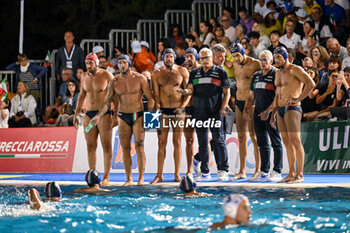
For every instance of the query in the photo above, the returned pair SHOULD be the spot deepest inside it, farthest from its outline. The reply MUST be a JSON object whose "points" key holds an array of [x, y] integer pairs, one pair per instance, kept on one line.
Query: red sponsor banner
{"points": [[42, 149]]}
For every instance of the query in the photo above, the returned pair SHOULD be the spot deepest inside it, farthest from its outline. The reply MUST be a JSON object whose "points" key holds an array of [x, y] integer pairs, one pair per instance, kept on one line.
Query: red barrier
{"points": [[48, 149]]}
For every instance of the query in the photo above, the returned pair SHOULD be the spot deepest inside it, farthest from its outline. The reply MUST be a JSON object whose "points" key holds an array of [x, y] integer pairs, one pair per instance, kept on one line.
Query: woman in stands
{"points": [[72, 94], [23, 106], [320, 57], [309, 106], [206, 34]]}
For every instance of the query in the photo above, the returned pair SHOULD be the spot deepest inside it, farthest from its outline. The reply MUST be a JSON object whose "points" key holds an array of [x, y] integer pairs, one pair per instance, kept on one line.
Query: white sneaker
{"points": [[196, 166], [275, 176], [203, 176], [262, 176], [222, 176]]}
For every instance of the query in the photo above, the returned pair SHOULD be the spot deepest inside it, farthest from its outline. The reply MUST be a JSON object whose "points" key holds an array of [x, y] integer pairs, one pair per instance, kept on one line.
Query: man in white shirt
{"points": [[230, 32], [257, 46], [290, 39], [259, 9], [321, 25]]}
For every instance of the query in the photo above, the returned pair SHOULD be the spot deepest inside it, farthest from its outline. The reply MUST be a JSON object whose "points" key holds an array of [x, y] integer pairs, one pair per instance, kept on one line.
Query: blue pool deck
{"points": [[116, 179]]}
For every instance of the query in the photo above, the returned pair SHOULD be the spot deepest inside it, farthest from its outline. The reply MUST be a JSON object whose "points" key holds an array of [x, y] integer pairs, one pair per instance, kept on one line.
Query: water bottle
{"points": [[89, 126]]}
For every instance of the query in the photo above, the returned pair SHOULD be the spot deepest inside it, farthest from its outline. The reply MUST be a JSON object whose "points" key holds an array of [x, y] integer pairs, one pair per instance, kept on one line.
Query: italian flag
{"points": [[3, 90], [47, 59]]}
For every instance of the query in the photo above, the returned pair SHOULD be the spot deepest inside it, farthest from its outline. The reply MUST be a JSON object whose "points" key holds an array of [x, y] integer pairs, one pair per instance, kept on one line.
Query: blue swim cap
{"points": [[168, 50], [281, 50], [124, 57], [187, 184], [53, 189], [193, 51], [237, 48], [92, 177]]}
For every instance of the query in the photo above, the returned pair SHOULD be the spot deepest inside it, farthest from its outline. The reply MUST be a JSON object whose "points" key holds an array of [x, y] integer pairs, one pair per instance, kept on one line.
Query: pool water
{"points": [[164, 209]]}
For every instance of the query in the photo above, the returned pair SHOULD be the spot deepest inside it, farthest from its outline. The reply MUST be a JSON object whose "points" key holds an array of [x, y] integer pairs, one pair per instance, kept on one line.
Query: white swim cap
{"points": [[231, 203]]}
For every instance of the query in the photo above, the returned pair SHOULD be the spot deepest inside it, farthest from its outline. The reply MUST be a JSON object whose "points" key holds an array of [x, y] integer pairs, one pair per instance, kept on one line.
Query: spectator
{"points": [[275, 40], [254, 41], [80, 72], [309, 106], [271, 5], [334, 12], [245, 18], [320, 57], [322, 25], [298, 27], [162, 45], [180, 51], [23, 106], [206, 34], [310, 5], [292, 57], [29, 73], [302, 16], [346, 61], [290, 39], [66, 117], [5, 107], [287, 6], [72, 94], [270, 23], [335, 49], [230, 32], [191, 42], [264, 39], [334, 63], [241, 31], [228, 11], [220, 36], [141, 58], [10, 94], [248, 48], [176, 36], [259, 9], [309, 39], [68, 56], [307, 62], [345, 79], [99, 51], [213, 42], [214, 23], [103, 64]]}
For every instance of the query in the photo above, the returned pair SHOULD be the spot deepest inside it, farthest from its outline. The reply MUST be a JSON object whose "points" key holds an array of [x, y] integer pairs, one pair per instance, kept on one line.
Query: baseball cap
{"points": [[136, 46]]}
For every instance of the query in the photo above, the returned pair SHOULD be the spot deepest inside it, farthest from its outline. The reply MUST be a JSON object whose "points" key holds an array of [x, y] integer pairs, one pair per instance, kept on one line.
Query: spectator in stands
{"points": [[320, 57], [326, 96], [241, 31], [248, 48], [228, 11], [191, 42], [334, 12], [219, 33], [264, 39], [335, 49], [334, 63], [23, 106], [345, 78], [309, 39], [230, 32], [206, 34], [310, 5], [290, 39], [214, 23], [5, 107], [307, 62], [322, 25], [287, 6], [255, 42], [10, 94], [29, 73], [68, 56], [292, 57], [302, 16], [259, 9], [176, 36], [309, 106], [72, 94], [298, 27], [245, 18], [103, 64], [162, 45], [270, 23], [99, 51], [80, 72], [66, 117], [346, 61], [275, 40], [141, 58], [180, 51]]}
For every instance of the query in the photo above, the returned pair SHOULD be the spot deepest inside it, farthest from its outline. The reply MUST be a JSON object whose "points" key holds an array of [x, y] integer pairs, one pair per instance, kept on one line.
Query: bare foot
{"points": [[157, 179], [105, 181], [287, 179], [189, 174], [128, 183], [177, 178], [296, 180], [239, 176], [141, 181], [255, 174]]}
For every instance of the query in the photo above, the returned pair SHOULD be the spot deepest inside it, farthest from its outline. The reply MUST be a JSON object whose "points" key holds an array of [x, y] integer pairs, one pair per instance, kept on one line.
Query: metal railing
{"points": [[235, 4], [151, 31], [121, 38], [204, 10], [88, 44], [183, 18], [11, 77]]}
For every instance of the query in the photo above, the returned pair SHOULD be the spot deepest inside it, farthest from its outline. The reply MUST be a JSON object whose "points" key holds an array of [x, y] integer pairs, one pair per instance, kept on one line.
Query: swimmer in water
{"points": [[93, 180], [188, 187], [53, 192], [236, 210]]}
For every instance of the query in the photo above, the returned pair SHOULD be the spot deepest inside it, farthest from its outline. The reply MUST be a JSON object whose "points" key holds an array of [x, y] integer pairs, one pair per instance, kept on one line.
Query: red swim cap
{"points": [[92, 56]]}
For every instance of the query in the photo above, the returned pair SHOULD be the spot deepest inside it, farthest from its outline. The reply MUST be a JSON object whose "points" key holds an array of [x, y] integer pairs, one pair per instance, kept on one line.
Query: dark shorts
{"points": [[91, 114], [130, 118], [168, 111], [240, 104], [284, 109], [189, 110]]}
